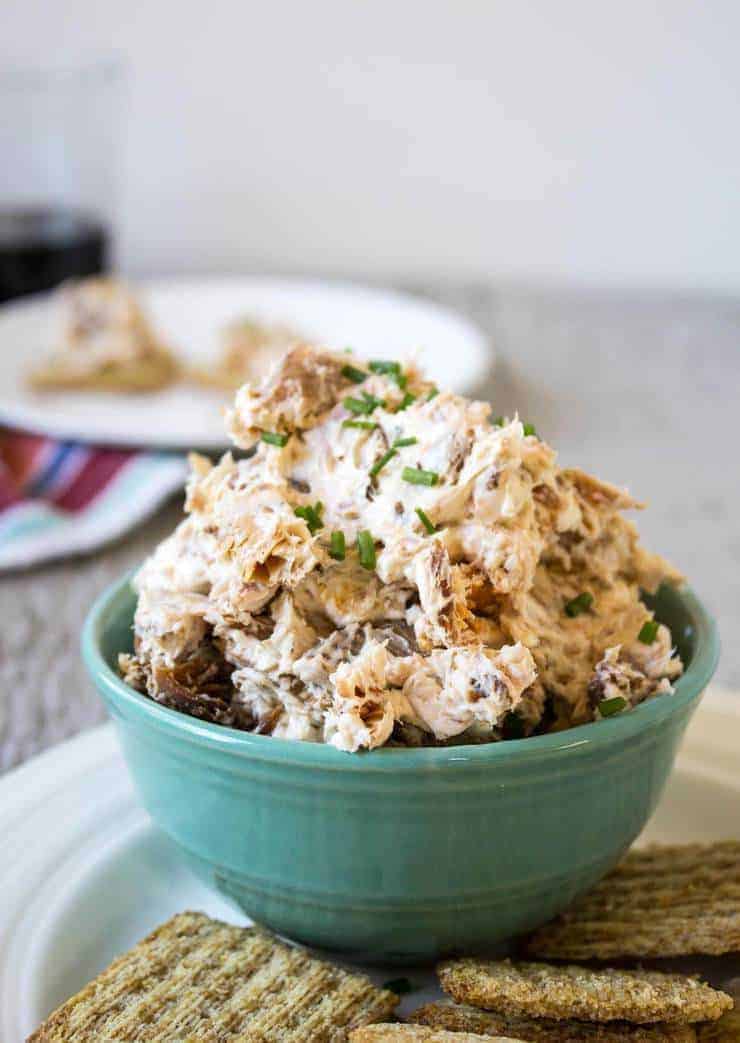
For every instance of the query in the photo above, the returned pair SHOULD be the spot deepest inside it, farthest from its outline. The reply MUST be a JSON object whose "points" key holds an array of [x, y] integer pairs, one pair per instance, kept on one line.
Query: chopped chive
{"points": [[337, 548], [581, 603], [426, 521], [433, 393], [513, 726], [348, 351], [406, 401], [381, 366], [357, 405], [357, 376], [529, 429], [398, 985], [608, 707], [311, 516], [364, 425], [648, 632], [417, 476], [273, 438], [366, 404], [498, 421], [392, 370], [366, 549], [401, 442], [380, 464]]}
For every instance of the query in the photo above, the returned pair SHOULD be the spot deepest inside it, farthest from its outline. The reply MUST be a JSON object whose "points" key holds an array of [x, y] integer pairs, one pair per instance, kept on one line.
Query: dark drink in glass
{"points": [[59, 138], [42, 246]]}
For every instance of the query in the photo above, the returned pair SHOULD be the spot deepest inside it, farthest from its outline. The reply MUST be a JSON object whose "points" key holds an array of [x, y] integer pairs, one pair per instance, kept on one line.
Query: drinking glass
{"points": [[59, 149]]}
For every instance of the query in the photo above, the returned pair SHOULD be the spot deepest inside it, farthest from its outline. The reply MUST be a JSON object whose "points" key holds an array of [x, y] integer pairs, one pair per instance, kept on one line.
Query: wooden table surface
{"points": [[643, 390]]}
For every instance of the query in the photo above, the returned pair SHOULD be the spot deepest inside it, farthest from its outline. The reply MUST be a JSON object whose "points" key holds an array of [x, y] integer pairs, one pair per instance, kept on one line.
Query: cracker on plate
{"points": [[727, 1029], [149, 374], [460, 1018], [106, 343], [662, 901], [420, 1034], [199, 979], [250, 349], [576, 993]]}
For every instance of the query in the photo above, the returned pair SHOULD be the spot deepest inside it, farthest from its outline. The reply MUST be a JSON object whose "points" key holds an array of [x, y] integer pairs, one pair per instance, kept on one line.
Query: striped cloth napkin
{"points": [[62, 498]]}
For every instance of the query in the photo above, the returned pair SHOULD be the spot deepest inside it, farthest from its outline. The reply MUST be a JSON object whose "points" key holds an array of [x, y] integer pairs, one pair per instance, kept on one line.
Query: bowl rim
{"points": [[590, 736]]}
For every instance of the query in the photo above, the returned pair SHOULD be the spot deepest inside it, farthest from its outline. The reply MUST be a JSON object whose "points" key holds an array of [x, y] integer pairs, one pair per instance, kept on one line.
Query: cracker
{"points": [[157, 371], [662, 901], [727, 1029], [459, 1018], [419, 1034], [576, 993], [196, 978]]}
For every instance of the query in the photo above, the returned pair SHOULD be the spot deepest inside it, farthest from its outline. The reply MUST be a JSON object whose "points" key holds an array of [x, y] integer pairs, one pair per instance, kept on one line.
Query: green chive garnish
{"points": [[364, 425], [406, 401], [337, 548], [381, 366], [426, 521], [366, 404], [348, 351], [581, 603], [357, 376], [392, 370], [273, 438], [608, 707], [648, 632], [432, 394], [311, 516], [401, 442], [416, 476], [366, 549], [380, 464], [529, 429], [356, 405], [498, 421], [398, 985]]}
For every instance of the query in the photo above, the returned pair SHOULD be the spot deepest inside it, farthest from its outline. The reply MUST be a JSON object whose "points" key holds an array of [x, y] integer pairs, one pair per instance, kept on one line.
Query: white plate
{"points": [[84, 874], [190, 314]]}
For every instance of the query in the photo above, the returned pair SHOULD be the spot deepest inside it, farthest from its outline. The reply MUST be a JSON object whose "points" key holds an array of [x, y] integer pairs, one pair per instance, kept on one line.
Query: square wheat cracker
{"points": [[459, 1018], [579, 993], [419, 1034], [662, 901], [196, 978]]}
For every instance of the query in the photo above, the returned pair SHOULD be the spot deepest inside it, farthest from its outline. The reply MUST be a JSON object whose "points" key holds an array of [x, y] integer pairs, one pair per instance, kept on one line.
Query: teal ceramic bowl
{"points": [[400, 855]]}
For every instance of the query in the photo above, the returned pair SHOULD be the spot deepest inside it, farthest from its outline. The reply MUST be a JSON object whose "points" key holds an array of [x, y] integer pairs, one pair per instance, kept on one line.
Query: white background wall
{"points": [[589, 141]]}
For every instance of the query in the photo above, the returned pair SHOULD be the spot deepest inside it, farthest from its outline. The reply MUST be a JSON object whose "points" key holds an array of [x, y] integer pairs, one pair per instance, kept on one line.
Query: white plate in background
{"points": [[189, 315], [84, 874]]}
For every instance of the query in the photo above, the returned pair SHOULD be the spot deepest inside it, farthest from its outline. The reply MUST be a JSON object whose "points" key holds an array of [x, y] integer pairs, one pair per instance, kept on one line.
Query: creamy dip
{"points": [[391, 563]]}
